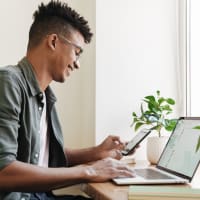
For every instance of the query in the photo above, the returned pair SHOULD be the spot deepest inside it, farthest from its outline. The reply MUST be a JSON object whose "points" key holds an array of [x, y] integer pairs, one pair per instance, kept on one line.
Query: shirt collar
{"points": [[50, 95], [28, 72]]}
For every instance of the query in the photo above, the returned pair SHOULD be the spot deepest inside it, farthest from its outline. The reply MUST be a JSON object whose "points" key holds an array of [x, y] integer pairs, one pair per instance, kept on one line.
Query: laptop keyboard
{"points": [[151, 174]]}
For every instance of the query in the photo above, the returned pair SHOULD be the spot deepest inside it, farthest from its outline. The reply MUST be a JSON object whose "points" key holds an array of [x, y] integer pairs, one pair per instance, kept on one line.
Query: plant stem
{"points": [[159, 131]]}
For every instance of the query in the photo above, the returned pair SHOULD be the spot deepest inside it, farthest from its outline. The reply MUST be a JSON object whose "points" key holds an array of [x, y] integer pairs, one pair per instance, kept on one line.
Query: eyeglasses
{"points": [[80, 50]]}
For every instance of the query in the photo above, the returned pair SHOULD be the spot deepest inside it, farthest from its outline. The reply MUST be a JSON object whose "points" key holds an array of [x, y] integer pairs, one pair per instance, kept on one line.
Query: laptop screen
{"points": [[180, 154]]}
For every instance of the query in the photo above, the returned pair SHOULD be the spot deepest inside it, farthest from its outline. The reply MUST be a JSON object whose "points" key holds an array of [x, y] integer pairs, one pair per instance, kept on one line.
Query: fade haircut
{"points": [[59, 18]]}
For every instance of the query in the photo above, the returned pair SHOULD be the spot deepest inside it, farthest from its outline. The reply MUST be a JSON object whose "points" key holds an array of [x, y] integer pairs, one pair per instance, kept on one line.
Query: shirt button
{"points": [[40, 108], [41, 95], [36, 155]]}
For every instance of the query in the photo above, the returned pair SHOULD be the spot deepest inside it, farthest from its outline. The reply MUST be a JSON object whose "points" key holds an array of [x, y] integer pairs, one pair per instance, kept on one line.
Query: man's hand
{"points": [[111, 147], [106, 169]]}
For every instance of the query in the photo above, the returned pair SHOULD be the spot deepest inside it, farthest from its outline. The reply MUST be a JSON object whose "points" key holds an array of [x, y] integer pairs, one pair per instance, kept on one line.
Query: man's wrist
{"points": [[90, 173], [99, 153]]}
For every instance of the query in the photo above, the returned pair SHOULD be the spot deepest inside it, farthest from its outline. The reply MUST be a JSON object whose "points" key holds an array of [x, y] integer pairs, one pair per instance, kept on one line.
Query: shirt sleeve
{"points": [[10, 101]]}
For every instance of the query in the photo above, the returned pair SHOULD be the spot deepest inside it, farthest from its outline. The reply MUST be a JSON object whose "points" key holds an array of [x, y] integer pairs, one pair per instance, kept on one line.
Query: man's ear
{"points": [[52, 41]]}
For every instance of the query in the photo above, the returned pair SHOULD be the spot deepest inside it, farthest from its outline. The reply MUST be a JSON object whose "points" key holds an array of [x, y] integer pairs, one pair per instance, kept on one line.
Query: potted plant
{"points": [[155, 110]]}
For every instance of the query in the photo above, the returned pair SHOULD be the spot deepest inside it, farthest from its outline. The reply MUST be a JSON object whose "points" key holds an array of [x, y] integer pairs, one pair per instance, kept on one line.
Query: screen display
{"points": [[136, 140], [180, 152]]}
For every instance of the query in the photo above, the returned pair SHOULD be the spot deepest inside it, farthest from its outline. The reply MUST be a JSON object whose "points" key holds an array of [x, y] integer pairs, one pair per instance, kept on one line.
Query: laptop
{"points": [[178, 161]]}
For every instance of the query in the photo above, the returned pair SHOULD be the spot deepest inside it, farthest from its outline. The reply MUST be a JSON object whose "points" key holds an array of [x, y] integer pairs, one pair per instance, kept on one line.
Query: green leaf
{"points": [[138, 125], [167, 113], [170, 101], [170, 124], [166, 107], [158, 92], [198, 144], [152, 105], [157, 110], [161, 100], [135, 119], [134, 114], [148, 112], [155, 127], [150, 98], [196, 127]]}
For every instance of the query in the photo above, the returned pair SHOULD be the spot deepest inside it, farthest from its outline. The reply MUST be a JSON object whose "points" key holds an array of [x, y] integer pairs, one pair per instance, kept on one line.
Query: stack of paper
{"points": [[163, 193]]}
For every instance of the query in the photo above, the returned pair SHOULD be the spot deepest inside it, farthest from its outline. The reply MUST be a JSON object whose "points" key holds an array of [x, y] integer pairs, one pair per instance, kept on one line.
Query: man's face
{"points": [[66, 56]]}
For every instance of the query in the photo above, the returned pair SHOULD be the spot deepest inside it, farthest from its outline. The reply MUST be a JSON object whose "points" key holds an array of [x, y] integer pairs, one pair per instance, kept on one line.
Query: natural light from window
{"points": [[195, 56]]}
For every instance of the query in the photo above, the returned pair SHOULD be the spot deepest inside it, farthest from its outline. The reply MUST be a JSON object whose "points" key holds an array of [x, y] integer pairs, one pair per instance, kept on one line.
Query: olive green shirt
{"points": [[20, 111]]}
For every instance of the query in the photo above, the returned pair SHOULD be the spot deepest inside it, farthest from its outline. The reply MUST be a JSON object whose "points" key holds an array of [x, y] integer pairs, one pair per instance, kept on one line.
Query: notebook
{"points": [[143, 192], [178, 161]]}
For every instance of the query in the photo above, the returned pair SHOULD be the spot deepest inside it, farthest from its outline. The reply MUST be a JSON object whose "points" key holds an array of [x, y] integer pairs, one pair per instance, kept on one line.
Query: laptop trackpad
{"points": [[151, 174]]}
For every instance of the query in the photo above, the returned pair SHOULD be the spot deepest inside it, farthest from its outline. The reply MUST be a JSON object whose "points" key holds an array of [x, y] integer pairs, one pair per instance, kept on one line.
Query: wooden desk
{"points": [[110, 191]]}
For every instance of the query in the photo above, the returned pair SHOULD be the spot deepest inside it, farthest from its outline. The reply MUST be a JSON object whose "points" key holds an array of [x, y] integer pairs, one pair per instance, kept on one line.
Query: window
{"points": [[193, 29]]}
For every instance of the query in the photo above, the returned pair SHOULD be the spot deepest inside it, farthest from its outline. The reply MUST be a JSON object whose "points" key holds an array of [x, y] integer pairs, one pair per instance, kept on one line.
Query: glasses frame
{"points": [[66, 41]]}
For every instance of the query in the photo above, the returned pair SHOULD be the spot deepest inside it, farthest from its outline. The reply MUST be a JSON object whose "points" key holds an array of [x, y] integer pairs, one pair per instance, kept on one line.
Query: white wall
{"points": [[193, 57], [76, 99], [15, 20], [136, 45]]}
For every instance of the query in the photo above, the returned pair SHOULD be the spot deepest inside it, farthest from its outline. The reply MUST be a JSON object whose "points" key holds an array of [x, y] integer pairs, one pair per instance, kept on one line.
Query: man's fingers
{"points": [[125, 173], [124, 169]]}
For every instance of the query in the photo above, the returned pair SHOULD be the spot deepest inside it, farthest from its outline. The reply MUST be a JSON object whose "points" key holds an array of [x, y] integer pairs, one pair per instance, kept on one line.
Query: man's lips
{"points": [[71, 68]]}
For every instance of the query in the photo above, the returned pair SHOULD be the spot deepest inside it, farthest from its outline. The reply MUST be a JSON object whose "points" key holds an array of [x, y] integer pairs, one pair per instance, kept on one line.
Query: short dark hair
{"points": [[56, 17]]}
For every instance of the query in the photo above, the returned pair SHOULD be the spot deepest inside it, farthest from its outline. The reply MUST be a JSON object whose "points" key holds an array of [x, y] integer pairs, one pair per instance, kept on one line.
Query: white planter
{"points": [[155, 146]]}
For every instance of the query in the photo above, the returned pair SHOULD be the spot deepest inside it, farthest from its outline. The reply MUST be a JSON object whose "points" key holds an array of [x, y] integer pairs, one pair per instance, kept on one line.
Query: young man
{"points": [[33, 160]]}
